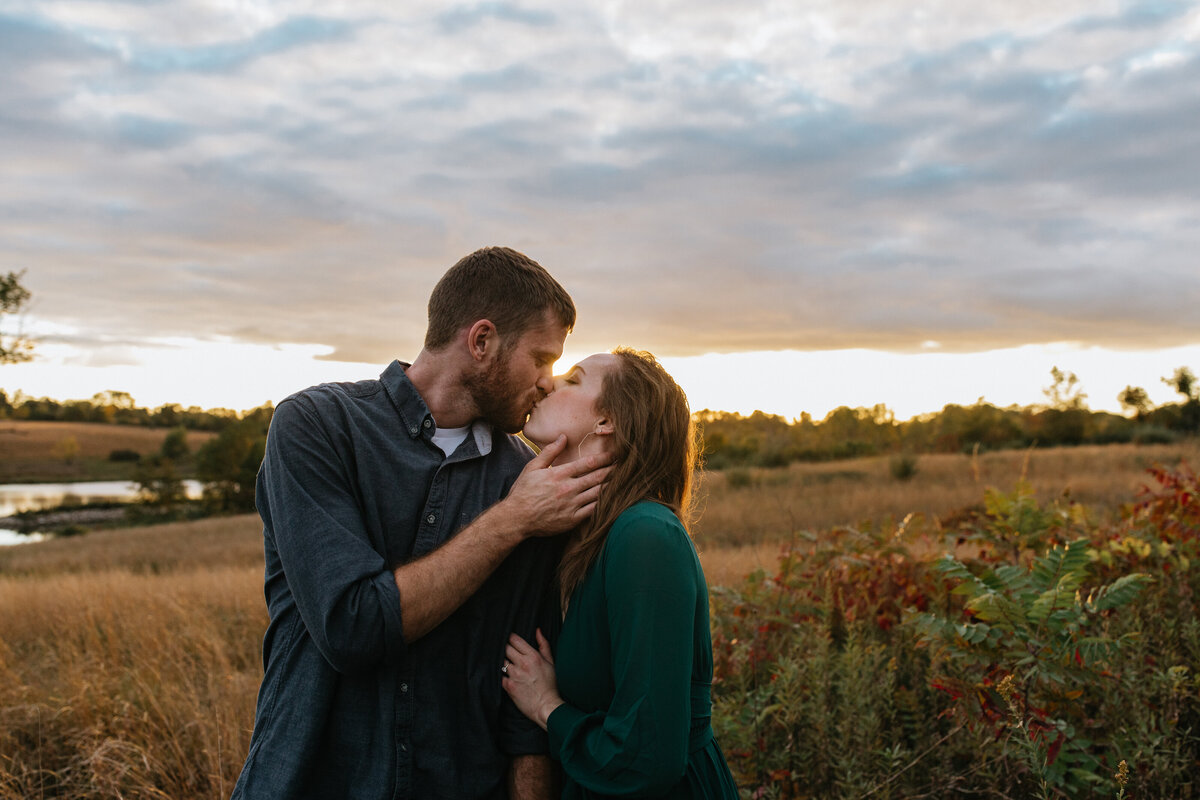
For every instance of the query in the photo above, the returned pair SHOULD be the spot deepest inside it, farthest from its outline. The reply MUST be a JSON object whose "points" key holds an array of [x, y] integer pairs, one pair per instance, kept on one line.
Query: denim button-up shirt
{"points": [[350, 487]]}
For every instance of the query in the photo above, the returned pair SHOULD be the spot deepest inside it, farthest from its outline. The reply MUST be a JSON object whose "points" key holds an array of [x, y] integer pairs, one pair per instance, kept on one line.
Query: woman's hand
{"points": [[529, 678]]}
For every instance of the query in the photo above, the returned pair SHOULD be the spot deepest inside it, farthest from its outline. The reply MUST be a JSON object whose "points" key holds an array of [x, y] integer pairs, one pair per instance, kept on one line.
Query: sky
{"points": [[796, 205]]}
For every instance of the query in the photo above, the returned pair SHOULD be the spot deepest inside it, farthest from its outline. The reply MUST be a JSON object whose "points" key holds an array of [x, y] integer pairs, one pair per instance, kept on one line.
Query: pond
{"points": [[17, 497]]}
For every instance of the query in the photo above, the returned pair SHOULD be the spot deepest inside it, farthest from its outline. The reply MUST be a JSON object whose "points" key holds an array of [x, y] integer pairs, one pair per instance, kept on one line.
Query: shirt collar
{"points": [[415, 415]]}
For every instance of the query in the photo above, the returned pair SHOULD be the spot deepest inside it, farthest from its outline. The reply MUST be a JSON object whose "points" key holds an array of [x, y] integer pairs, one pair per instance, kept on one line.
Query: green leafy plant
{"points": [[1042, 634]]}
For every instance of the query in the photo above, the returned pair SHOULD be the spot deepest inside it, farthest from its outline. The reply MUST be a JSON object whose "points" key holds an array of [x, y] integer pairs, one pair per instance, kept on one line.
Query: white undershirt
{"points": [[448, 439]]}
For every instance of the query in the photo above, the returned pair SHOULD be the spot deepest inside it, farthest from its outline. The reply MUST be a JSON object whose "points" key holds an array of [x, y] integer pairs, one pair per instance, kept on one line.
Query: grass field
{"points": [[129, 659], [744, 514], [36, 452]]}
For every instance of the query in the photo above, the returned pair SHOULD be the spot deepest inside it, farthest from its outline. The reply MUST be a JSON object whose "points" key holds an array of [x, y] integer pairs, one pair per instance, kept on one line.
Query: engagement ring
{"points": [[504, 669]]}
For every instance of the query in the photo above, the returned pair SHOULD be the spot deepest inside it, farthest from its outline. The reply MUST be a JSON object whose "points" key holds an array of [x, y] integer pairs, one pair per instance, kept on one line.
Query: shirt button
{"points": [[431, 519], [413, 430], [404, 687], [403, 748], [428, 423]]}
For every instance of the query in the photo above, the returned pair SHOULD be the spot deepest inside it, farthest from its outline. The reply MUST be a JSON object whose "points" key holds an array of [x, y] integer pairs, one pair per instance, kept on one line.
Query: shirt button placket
{"points": [[404, 787]]}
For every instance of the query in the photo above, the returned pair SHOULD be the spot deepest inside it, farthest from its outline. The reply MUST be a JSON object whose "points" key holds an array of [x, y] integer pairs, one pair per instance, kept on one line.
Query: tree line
{"points": [[117, 408], [769, 440], [730, 439]]}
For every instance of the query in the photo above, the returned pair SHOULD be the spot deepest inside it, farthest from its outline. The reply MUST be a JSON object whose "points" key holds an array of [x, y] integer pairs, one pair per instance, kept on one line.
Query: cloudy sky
{"points": [[219, 201]]}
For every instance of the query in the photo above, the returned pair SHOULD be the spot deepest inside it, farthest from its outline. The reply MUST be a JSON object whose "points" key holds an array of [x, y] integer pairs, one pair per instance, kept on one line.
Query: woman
{"points": [[627, 701]]}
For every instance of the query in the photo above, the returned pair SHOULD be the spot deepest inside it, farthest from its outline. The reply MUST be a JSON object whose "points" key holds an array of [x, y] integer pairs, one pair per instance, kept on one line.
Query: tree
{"points": [[175, 446], [158, 482], [1184, 381], [228, 463], [156, 475], [13, 297], [1065, 421], [1135, 399], [1066, 393]]}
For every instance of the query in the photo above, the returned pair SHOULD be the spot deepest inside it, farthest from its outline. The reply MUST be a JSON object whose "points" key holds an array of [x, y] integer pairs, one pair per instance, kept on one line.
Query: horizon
{"points": [[695, 376]]}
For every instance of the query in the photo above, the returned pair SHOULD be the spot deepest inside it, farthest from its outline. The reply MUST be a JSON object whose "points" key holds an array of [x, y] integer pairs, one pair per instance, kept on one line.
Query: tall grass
{"points": [[114, 684], [749, 506], [180, 546], [129, 659]]}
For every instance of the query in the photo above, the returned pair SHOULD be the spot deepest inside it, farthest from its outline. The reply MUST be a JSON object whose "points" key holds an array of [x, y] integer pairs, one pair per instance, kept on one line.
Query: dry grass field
{"points": [[216, 542], [66, 451], [114, 684], [742, 522], [129, 659]]}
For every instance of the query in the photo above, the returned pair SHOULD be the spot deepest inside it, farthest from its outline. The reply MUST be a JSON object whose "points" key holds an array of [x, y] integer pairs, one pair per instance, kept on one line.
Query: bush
{"points": [[740, 478], [124, 454], [903, 467], [865, 667], [1154, 434]]}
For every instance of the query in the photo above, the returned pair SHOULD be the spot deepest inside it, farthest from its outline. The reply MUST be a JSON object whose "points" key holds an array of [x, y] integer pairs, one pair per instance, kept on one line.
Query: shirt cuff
{"points": [[394, 645], [559, 725]]}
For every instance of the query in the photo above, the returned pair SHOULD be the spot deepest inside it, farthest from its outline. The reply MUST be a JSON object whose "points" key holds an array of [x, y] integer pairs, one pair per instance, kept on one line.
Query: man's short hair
{"points": [[498, 284]]}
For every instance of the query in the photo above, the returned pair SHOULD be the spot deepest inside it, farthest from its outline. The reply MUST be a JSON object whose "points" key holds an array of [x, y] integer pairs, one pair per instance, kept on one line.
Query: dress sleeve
{"points": [[639, 744], [346, 595]]}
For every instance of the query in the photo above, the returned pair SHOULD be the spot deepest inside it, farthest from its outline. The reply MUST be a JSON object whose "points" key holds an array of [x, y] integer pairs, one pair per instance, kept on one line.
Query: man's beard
{"points": [[498, 397]]}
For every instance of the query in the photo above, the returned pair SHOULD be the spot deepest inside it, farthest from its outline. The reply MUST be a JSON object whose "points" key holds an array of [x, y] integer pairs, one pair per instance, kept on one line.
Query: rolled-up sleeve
{"points": [[344, 591]]}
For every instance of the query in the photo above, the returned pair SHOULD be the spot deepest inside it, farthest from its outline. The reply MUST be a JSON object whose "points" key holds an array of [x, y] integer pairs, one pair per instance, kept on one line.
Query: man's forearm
{"points": [[533, 778], [544, 500], [436, 584]]}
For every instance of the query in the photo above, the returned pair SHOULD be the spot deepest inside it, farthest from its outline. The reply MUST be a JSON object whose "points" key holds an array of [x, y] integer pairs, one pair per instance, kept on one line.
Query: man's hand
{"points": [[545, 500], [548, 499]]}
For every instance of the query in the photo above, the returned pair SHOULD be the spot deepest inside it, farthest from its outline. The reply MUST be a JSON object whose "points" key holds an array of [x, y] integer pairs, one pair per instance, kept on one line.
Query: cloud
{"points": [[460, 18], [720, 179]]}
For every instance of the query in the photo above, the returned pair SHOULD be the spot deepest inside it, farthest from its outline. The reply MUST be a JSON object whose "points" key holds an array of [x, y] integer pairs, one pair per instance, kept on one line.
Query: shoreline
{"points": [[39, 521]]}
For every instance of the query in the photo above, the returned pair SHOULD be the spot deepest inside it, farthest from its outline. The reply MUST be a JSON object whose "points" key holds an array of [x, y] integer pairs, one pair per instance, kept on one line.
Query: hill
{"points": [[34, 452]]}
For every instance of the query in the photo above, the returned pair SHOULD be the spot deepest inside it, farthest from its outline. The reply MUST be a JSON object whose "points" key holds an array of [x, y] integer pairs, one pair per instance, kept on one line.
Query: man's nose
{"points": [[545, 383]]}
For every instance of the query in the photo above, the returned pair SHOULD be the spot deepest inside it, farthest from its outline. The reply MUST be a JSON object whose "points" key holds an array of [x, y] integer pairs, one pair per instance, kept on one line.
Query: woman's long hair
{"points": [[654, 455]]}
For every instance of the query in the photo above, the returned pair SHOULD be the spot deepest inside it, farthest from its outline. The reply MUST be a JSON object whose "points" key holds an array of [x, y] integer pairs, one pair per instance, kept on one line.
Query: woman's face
{"points": [[571, 408]]}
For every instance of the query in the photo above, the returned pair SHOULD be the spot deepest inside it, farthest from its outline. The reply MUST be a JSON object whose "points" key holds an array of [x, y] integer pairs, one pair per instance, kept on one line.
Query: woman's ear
{"points": [[603, 427]]}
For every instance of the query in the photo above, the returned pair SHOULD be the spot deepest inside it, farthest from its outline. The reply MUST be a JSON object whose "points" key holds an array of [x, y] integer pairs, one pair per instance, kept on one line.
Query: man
{"points": [[395, 570]]}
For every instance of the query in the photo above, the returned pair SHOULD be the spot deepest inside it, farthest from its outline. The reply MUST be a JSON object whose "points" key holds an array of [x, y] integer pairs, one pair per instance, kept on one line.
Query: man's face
{"points": [[519, 376]]}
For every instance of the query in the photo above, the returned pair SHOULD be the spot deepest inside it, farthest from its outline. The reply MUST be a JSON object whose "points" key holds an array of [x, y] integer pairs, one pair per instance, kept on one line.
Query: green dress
{"points": [[634, 666]]}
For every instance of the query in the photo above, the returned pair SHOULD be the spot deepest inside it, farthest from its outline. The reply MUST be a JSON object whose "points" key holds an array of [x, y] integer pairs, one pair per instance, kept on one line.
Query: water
{"points": [[19, 497]]}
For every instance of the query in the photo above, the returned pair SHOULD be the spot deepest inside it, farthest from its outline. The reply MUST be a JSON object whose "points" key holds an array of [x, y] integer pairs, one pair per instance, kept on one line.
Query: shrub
{"points": [[903, 467], [1154, 434], [124, 454], [1031, 644], [739, 478], [865, 667]]}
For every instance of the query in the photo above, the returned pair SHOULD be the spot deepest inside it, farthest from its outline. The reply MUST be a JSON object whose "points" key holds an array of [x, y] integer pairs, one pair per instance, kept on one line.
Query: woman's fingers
{"points": [[519, 644], [544, 647]]}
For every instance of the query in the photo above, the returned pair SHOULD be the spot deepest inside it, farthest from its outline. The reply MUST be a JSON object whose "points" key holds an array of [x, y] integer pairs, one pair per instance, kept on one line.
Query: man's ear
{"points": [[483, 340]]}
